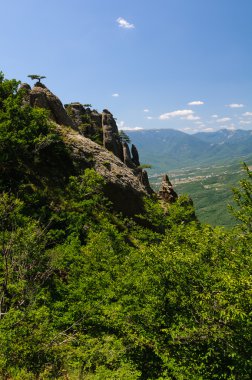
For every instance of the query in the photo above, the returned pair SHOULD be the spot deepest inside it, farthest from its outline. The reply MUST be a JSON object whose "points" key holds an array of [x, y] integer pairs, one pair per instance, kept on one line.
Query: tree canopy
{"points": [[86, 293], [36, 77]]}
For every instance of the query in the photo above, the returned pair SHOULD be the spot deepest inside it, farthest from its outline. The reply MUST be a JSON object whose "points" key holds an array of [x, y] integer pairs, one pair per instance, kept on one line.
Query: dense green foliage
{"points": [[86, 293]]}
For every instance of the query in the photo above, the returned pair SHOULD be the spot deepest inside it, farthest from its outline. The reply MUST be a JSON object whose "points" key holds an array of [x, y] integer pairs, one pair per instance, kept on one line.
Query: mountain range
{"points": [[166, 149]]}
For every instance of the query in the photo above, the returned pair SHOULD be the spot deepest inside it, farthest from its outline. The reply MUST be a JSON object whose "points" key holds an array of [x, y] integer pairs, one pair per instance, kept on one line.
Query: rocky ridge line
{"points": [[94, 141]]}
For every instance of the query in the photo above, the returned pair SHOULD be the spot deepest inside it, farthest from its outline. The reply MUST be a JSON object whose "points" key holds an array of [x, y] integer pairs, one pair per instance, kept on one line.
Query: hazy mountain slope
{"points": [[167, 149]]}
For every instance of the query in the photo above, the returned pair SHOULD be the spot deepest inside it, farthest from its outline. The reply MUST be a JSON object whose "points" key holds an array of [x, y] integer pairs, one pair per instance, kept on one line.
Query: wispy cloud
{"points": [[196, 103], [191, 117], [124, 23], [235, 105], [115, 95], [131, 129], [246, 122], [178, 113], [209, 129], [215, 116], [146, 110], [149, 117], [231, 127], [247, 114], [223, 119]]}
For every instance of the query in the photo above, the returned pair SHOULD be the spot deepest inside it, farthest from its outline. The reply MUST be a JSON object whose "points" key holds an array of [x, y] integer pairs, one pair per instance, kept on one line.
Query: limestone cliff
{"points": [[93, 141]]}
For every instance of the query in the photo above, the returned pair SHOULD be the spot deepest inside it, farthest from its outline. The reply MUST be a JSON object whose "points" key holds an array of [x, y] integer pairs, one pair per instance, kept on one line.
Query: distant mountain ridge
{"points": [[167, 149]]}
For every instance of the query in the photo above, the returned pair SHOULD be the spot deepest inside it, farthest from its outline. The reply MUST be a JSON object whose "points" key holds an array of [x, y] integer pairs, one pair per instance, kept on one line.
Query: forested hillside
{"points": [[89, 290]]}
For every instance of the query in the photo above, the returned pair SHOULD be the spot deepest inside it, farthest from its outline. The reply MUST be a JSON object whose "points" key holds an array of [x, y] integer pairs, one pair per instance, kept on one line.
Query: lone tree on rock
{"points": [[36, 77]]}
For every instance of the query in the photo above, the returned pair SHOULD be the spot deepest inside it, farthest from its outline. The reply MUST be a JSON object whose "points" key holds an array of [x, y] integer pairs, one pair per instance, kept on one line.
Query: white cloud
{"points": [[188, 129], [149, 117], [215, 116], [208, 129], [247, 114], [178, 113], [131, 129], [235, 105], [124, 23], [191, 118], [246, 122], [115, 95], [195, 103], [146, 110], [223, 119], [231, 127]]}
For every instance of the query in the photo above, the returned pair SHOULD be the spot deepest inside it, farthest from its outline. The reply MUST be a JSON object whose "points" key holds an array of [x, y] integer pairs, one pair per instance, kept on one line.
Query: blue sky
{"points": [[182, 64]]}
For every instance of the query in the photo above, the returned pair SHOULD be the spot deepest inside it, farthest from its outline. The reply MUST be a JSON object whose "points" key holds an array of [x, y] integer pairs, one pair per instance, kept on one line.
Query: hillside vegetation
{"points": [[88, 292], [206, 166]]}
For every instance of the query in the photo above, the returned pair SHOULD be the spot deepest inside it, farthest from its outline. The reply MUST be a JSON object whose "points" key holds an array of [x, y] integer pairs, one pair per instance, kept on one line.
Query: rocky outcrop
{"points": [[126, 156], [88, 122], [126, 182], [144, 179], [135, 155], [40, 96], [166, 192], [76, 111], [123, 186], [111, 140]]}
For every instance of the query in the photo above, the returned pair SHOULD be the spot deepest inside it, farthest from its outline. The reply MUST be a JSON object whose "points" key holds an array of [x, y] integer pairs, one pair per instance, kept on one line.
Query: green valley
{"points": [[209, 187]]}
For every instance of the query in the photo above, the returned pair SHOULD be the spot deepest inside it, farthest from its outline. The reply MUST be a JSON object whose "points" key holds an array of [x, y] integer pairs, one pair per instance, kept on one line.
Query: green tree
{"points": [[243, 200], [124, 137], [36, 77]]}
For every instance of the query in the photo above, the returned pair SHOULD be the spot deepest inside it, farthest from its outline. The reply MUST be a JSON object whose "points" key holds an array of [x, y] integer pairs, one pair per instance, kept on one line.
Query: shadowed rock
{"points": [[111, 140], [144, 179], [126, 156], [135, 155], [166, 192]]}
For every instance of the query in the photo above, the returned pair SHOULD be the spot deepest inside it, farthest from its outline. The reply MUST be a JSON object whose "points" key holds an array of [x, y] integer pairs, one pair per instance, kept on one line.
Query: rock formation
{"points": [[144, 179], [123, 186], [40, 96], [166, 192], [88, 123], [94, 142], [135, 155], [111, 140], [126, 156]]}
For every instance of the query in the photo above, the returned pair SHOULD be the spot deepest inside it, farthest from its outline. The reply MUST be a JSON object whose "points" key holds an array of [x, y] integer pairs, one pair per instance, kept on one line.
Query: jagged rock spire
{"points": [[135, 155], [111, 139], [126, 156], [166, 192]]}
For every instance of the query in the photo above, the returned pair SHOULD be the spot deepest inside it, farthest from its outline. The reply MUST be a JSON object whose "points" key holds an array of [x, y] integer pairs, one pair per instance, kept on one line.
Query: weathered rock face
{"points": [[135, 155], [111, 139], [123, 187], [126, 182], [166, 192], [41, 97], [76, 112], [126, 156], [88, 123], [143, 178]]}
